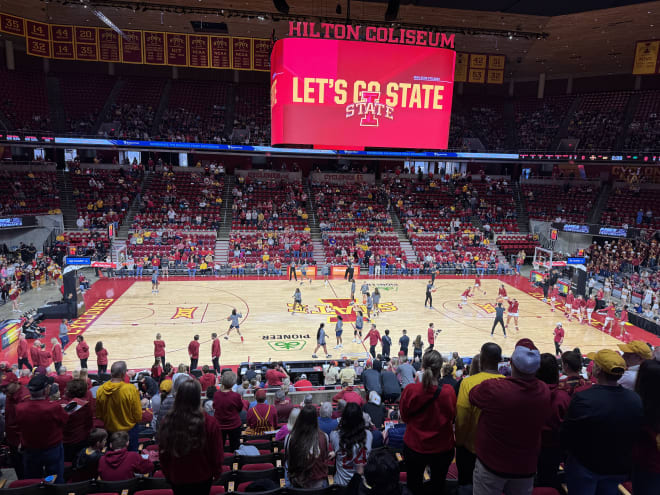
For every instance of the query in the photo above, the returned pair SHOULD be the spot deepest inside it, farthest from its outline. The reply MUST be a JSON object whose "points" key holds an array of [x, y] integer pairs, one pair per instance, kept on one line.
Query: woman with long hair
{"points": [[101, 357], [306, 451], [288, 427], [646, 454], [428, 409], [320, 341], [190, 443], [418, 345], [351, 443]]}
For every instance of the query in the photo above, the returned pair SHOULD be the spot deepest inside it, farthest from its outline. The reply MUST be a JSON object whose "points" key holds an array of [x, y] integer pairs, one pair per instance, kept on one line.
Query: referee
{"points": [[429, 297], [499, 318], [348, 274]]}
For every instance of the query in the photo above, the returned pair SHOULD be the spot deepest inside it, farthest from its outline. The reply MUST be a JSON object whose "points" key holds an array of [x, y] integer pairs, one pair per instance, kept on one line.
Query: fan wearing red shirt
{"points": [[207, 379], [275, 375], [34, 353], [513, 312], [159, 348], [56, 353], [431, 336], [82, 350], [262, 417], [23, 351], [554, 295], [464, 298], [215, 352], [609, 318], [591, 305], [559, 338], [374, 337], [16, 393], [193, 352], [349, 395], [303, 384], [428, 409], [101, 357]]}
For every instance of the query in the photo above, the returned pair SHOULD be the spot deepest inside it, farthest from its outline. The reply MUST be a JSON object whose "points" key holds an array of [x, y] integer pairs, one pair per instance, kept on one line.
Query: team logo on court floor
{"points": [[346, 307], [291, 345], [488, 307], [188, 313]]}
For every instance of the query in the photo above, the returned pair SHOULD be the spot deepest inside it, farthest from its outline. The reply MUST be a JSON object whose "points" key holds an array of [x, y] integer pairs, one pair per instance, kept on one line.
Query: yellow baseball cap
{"points": [[609, 361], [638, 347], [166, 386]]}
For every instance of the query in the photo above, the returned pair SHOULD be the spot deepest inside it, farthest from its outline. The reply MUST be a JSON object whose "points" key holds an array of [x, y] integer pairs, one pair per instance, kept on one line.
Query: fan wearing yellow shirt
{"points": [[467, 415]]}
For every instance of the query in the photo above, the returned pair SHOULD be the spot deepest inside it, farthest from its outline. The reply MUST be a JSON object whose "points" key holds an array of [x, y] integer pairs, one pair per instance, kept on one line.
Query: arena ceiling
{"points": [[591, 42]]}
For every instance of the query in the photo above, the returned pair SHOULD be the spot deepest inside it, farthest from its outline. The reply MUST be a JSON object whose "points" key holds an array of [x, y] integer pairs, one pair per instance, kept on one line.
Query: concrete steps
{"points": [[222, 251]]}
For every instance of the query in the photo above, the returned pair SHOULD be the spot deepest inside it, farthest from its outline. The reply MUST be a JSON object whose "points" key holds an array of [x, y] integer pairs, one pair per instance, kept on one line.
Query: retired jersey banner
{"points": [[461, 71], [12, 25], [37, 39], [109, 49], [62, 37], [154, 48], [646, 57], [338, 94], [198, 50], [220, 52], [86, 43]]}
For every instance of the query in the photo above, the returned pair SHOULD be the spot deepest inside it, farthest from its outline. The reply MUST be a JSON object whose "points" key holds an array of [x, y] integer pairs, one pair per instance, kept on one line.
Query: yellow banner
{"points": [[477, 76], [495, 77], [646, 57], [496, 62], [477, 61], [461, 69]]}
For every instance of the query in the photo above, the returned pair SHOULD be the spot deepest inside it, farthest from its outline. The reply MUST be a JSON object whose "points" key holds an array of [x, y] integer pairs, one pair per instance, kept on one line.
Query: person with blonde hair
{"points": [[56, 353], [288, 427], [428, 408]]}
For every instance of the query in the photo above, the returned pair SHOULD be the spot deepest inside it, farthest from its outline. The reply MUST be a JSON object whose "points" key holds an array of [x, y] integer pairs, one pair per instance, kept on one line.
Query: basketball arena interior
{"points": [[330, 247]]}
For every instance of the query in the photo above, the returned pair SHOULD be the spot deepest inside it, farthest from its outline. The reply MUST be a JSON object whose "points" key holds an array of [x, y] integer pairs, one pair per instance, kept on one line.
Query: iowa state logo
{"points": [[347, 308], [370, 109]]}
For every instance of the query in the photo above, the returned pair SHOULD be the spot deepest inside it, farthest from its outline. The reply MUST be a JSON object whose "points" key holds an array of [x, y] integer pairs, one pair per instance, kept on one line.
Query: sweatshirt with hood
{"points": [[118, 406], [118, 465]]}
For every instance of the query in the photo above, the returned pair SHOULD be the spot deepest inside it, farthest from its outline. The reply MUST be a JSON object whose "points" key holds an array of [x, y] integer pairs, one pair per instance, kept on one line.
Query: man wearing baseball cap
{"points": [[513, 412], [634, 353], [599, 430], [41, 424]]}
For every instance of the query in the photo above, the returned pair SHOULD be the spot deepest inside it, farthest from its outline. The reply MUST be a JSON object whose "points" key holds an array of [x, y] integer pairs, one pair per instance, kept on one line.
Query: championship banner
{"points": [[646, 57], [261, 54], [198, 51], [461, 70], [176, 49], [109, 49], [334, 94], [131, 47], [62, 37], [220, 52], [241, 53], [154, 48], [12, 25], [86, 43]]}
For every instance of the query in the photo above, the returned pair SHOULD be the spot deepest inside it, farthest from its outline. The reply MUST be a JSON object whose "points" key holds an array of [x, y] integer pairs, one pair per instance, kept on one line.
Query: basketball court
{"points": [[126, 316]]}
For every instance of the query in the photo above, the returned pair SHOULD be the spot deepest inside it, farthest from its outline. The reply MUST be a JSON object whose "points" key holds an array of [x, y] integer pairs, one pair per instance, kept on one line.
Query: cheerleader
{"points": [[297, 301], [15, 297], [512, 312]]}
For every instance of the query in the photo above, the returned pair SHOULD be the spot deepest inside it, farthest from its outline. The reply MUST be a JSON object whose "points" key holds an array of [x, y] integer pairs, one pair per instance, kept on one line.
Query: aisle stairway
{"points": [[226, 213], [134, 208], [317, 239], [597, 211], [405, 243], [521, 209], [67, 204], [221, 251]]}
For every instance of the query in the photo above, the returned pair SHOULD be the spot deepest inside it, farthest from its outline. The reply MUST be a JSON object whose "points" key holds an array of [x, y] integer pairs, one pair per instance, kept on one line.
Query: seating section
{"points": [[29, 193], [103, 196], [570, 203], [183, 200], [254, 247], [83, 97], [196, 112], [597, 122], [448, 251], [513, 244], [351, 207], [339, 247], [134, 110], [168, 242], [24, 100], [537, 121], [644, 130], [94, 243], [252, 113], [496, 205], [268, 205], [623, 206], [481, 118]]}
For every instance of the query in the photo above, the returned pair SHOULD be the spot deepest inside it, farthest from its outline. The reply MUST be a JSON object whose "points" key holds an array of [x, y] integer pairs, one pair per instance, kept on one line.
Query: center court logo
{"points": [[370, 109], [345, 307]]}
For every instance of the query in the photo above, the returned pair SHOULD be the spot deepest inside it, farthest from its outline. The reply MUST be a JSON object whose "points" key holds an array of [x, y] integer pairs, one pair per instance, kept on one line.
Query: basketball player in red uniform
{"points": [[569, 304], [502, 292], [559, 338], [513, 312], [591, 305], [623, 319], [464, 297], [554, 295], [609, 319], [577, 308], [477, 284]]}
